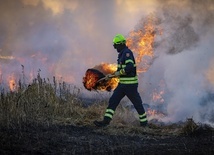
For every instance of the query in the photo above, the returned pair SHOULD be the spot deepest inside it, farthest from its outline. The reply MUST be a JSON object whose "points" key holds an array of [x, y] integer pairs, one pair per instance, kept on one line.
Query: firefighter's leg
{"points": [[113, 103], [134, 96]]}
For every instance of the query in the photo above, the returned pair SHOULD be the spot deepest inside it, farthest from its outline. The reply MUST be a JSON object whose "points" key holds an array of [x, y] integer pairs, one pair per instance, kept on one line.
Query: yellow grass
{"points": [[45, 103]]}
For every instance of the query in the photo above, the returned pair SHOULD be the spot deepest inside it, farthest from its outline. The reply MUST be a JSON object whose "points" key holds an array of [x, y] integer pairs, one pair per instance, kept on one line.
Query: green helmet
{"points": [[119, 39]]}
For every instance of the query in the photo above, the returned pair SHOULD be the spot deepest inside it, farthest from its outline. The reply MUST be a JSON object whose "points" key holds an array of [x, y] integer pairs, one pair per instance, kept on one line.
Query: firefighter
{"points": [[128, 83]]}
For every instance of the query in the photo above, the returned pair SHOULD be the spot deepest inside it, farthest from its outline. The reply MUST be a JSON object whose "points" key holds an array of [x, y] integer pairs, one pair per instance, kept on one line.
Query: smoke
{"points": [[71, 35], [64, 38], [61, 38], [184, 60]]}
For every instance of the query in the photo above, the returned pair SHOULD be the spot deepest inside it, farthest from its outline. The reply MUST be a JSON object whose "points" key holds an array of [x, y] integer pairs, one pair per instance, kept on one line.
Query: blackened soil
{"points": [[68, 139]]}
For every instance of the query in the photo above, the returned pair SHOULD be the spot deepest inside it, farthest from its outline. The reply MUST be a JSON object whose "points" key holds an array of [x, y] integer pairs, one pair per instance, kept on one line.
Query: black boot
{"points": [[144, 124], [102, 123]]}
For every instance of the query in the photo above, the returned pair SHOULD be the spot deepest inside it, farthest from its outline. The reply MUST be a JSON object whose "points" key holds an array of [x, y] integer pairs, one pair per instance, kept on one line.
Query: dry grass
{"points": [[189, 127], [47, 103]]}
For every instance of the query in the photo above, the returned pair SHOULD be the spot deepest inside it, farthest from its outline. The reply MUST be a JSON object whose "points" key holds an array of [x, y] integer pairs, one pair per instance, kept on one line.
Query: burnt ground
{"points": [[69, 139]]}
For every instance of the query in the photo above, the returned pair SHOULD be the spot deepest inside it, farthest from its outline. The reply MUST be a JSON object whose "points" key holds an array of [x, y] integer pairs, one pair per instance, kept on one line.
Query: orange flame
{"points": [[12, 83], [152, 113], [158, 96], [142, 42], [107, 68], [98, 72], [6, 57], [158, 93]]}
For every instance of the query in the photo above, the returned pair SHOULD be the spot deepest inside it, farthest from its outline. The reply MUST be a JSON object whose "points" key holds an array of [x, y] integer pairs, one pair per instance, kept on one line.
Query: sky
{"points": [[64, 38]]}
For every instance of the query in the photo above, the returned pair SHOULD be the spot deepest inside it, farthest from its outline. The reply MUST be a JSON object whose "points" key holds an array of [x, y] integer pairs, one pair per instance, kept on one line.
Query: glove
{"points": [[117, 73], [120, 72]]}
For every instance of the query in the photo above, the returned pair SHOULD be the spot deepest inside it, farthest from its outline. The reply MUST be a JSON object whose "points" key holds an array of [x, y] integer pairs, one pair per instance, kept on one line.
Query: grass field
{"points": [[51, 118]]}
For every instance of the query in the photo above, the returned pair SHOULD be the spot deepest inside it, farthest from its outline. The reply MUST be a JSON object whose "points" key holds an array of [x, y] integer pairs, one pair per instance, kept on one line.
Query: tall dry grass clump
{"points": [[46, 102]]}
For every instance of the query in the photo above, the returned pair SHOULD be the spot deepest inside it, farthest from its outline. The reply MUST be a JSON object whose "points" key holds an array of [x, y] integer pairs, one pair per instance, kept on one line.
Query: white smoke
{"points": [[184, 54], [69, 35]]}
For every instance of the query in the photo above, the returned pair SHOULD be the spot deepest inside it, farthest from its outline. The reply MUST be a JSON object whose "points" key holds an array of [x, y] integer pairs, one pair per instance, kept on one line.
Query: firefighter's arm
{"points": [[129, 66], [120, 72], [129, 63], [127, 69]]}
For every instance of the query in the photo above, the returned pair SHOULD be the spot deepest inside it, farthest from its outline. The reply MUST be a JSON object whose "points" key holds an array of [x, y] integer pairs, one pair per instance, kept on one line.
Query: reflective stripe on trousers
{"points": [[109, 113], [143, 117]]}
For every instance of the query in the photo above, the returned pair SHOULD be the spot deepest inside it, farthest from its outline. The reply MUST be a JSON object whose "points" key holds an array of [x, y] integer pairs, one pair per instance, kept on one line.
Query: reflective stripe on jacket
{"points": [[127, 67]]}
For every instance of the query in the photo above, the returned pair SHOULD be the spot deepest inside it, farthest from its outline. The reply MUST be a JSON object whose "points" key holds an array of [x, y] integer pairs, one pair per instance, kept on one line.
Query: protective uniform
{"points": [[128, 83]]}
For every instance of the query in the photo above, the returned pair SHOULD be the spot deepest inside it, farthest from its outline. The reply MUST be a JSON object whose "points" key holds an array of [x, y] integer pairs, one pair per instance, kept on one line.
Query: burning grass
{"points": [[51, 118], [58, 103]]}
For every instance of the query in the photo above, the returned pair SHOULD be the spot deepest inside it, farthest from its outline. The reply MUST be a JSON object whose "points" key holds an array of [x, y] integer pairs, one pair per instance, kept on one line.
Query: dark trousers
{"points": [[129, 90]]}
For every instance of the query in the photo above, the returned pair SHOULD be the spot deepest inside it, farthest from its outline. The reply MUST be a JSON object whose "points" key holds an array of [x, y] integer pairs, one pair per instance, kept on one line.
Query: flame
{"points": [[111, 84], [106, 68], [12, 83], [152, 113], [141, 42], [6, 57], [12, 78], [91, 78], [157, 96], [93, 75]]}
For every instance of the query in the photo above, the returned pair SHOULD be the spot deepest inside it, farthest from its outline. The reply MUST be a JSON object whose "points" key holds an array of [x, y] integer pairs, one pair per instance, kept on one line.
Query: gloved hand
{"points": [[117, 73]]}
